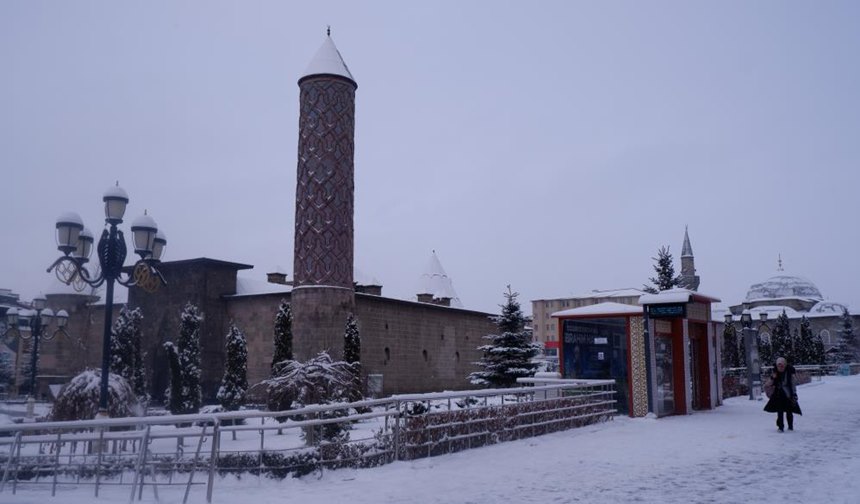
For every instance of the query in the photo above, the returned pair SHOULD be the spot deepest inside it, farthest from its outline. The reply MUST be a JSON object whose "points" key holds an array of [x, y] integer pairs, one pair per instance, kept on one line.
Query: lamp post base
{"points": [[31, 408]]}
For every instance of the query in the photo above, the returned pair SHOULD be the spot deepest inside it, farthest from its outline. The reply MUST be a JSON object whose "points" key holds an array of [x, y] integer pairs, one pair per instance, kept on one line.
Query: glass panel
{"points": [[665, 380], [596, 349]]}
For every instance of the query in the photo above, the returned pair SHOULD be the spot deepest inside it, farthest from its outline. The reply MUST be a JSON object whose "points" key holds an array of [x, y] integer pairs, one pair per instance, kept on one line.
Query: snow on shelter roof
{"points": [[676, 296], [328, 61], [608, 308]]}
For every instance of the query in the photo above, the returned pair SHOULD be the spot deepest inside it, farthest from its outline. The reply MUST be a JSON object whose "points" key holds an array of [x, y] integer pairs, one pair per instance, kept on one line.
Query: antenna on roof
{"points": [[779, 263], [328, 30]]}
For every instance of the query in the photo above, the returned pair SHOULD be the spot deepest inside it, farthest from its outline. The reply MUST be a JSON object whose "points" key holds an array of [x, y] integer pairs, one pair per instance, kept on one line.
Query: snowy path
{"points": [[732, 454]]}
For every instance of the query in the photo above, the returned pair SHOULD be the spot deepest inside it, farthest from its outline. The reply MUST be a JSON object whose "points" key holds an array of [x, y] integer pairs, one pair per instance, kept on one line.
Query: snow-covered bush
{"points": [[317, 381], [79, 399]]}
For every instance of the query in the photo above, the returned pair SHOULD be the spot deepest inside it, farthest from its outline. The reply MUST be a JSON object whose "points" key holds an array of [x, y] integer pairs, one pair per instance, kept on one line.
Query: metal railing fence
{"points": [[182, 452]]}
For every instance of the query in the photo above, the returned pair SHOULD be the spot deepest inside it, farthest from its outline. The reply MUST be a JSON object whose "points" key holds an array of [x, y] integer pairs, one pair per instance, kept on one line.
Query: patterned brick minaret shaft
{"points": [[324, 185], [323, 296]]}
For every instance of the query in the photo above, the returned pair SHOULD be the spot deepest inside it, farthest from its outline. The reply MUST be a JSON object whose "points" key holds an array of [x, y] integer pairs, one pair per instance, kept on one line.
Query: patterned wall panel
{"points": [[639, 376], [325, 183]]}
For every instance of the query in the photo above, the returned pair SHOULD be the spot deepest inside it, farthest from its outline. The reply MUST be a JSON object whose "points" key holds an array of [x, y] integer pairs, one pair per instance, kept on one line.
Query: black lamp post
{"points": [[75, 242], [750, 352], [39, 323]]}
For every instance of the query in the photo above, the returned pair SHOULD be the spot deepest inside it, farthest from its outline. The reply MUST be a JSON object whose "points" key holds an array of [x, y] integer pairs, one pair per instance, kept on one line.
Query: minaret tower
{"points": [[323, 294], [689, 278]]}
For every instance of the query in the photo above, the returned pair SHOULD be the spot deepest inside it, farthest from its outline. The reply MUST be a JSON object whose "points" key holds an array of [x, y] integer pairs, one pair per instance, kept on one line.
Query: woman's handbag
{"points": [[768, 387]]}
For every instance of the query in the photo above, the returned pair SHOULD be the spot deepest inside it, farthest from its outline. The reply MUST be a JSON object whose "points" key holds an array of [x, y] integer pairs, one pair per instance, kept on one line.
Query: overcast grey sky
{"points": [[553, 146]]}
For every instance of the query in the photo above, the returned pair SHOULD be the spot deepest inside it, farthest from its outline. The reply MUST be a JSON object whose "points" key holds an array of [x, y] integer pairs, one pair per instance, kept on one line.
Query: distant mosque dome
{"points": [[782, 287]]}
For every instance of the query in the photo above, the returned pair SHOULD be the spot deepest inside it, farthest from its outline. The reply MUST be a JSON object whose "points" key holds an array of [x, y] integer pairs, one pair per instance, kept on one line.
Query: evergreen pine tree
{"points": [[122, 345], [283, 335], [846, 346], [352, 356], [780, 340], [819, 355], [174, 391], [234, 384], [187, 350], [765, 351], [665, 278], [509, 354], [804, 347], [126, 357], [351, 342], [730, 347]]}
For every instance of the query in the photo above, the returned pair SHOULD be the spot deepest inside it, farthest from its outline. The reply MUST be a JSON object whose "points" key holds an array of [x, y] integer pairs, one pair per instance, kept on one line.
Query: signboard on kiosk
{"points": [[667, 310]]}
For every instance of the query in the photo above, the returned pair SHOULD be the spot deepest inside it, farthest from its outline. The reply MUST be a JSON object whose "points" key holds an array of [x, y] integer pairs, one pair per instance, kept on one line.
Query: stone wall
{"points": [[204, 283], [419, 347]]}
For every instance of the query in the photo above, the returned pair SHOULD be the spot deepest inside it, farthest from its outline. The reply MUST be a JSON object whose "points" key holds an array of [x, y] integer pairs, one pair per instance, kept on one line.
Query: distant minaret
{"points": [[689, 278], [323, 295]]}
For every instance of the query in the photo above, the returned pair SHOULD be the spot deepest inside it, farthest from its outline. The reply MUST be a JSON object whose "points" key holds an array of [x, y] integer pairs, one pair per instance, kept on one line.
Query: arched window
{"points": [[825, 337]]}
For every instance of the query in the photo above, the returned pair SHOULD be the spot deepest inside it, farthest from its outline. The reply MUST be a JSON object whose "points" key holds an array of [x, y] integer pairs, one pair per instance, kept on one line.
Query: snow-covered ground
{"points": [[732, 454]]}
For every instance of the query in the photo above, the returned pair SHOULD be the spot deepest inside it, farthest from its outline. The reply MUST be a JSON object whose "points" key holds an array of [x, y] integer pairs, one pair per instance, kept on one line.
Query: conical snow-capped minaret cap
{"points": [[687, 249], [328, 61]]}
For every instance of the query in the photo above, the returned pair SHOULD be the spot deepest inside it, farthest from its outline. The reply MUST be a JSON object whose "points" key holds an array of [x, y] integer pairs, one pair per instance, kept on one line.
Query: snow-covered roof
{"points": [[435, 281], [608, 308], [362, 278], [328, 61], [278, 270], [676, 295], [612, 293], [254, 287], [827, 309], [784, 286]]}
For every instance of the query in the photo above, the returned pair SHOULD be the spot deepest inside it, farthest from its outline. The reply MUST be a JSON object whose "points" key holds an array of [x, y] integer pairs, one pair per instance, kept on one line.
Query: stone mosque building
{"points": [[798, 297], [421, 345]]}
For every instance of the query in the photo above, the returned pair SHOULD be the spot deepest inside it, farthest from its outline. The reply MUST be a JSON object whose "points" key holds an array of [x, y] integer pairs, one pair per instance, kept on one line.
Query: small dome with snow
{"points": [[784, 286], [828, 307]]}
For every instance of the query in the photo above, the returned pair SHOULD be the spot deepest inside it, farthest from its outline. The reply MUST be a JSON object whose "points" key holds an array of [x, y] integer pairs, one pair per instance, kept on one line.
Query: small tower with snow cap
{"points": [[323, 294], [689, 278]]}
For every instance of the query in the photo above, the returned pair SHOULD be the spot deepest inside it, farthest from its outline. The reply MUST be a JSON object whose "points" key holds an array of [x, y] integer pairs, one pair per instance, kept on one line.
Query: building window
{"points": [[825, 336], [424, 354]]}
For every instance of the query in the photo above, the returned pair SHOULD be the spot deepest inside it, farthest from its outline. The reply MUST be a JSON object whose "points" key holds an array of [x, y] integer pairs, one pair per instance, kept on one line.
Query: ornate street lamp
{"points": [[40, 319], [75, 242]]}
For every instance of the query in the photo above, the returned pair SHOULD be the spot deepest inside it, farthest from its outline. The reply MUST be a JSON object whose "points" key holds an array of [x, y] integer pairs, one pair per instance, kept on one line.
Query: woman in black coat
{"points": [[784, 397]]}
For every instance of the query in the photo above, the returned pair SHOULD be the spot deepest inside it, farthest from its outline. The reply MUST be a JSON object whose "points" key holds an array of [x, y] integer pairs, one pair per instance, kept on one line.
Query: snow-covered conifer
{"points": [[846, 346], [283, 335], [126, 357], [234, 384], [666, 278], [509, 354], [351, 341], [730, 347], [122, 353], [780, 340], [187, 355], [804, 343]]}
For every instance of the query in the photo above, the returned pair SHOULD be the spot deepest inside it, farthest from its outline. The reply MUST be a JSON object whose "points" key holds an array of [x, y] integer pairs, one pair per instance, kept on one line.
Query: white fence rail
{"points": [[182, 452]]}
